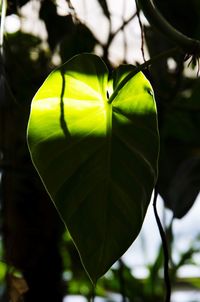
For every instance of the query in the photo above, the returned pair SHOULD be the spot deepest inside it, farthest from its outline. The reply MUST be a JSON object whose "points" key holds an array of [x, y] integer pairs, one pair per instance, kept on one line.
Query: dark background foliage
{"points": [[34, 241]]}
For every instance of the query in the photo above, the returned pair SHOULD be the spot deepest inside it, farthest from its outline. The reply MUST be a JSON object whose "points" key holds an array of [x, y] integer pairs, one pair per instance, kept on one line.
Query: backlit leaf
{"points": [[96, 158]]}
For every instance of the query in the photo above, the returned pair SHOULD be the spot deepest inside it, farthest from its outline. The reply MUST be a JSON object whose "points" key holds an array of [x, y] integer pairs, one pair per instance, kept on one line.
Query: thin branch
{"points": [[165, 249], [126, 22], [112, 35]]}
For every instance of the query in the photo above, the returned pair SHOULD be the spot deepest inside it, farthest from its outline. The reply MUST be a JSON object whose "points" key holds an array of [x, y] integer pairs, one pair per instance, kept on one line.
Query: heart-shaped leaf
{"points": [[96, 156]]}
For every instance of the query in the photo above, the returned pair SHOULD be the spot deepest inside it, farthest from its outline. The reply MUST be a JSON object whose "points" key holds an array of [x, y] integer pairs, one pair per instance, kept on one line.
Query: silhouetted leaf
{"points": [[185, 187], [179, 156]]}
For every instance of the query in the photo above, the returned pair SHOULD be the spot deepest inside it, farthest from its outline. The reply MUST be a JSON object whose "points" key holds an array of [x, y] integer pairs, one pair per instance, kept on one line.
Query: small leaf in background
{"points": [[179, 163], [185, 186], [96, 158]]}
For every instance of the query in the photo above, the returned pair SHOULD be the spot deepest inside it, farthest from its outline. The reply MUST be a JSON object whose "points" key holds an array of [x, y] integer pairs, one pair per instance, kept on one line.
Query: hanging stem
{"points": [[190, 46], [3, 17], [142, 31], [92, 294], [165, 249]]}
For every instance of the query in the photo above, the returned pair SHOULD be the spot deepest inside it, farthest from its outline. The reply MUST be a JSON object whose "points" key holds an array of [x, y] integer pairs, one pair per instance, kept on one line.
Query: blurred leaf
{"points": [[3, 270], [80, 39], [24, 54], [179, 177], [57, 26], [72, 38], [14, 5], [185, 187], [192, 281], [17, 287], [98, 160]]}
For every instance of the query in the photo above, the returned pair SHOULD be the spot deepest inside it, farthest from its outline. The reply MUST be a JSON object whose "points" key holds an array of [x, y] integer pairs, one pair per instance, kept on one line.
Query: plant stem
{"points": [[165, 249], [3, 16], [191, 46], [156, 58]]}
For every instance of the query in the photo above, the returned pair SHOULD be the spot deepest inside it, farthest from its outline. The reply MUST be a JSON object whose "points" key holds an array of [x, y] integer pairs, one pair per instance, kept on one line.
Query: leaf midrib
{"points": [[109, 114]]}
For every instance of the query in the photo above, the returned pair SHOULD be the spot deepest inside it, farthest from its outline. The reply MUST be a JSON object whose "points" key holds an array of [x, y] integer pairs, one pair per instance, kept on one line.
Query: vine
{"points": [[164, 246], [142, 32], [190, 46]]}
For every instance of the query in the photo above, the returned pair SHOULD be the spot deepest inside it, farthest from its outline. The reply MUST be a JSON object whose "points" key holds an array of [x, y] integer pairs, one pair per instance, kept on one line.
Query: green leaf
{"points": [[97, 159]]}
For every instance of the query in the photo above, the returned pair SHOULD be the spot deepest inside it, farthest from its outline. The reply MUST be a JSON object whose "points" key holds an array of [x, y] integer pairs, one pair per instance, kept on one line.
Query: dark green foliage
{"points": [[24, 55]]}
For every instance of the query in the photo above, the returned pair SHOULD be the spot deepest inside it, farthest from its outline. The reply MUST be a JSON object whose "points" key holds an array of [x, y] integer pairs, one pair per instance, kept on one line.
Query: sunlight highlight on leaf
{"points": [[97, 160]]}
